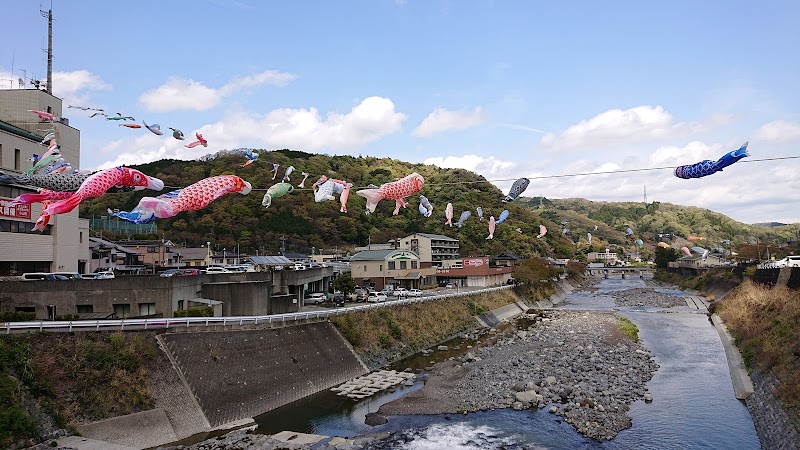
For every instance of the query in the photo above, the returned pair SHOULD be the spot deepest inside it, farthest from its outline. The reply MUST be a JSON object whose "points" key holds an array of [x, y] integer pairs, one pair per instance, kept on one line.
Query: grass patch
{"points": [[380, 331], [629, 328], [766, 325]]}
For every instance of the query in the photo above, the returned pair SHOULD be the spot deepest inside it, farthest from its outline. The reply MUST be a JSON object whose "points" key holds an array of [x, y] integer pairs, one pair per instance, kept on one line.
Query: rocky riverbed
{"points": [[647, 297], [578, 365]]}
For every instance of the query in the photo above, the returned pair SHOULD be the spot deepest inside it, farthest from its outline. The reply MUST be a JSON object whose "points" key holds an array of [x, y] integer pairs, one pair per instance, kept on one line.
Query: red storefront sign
{"points": [[16, 212], [475, 262]]}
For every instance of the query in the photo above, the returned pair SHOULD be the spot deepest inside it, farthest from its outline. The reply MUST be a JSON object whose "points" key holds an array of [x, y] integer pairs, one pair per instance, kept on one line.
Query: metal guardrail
{"points": [[67, 326]]}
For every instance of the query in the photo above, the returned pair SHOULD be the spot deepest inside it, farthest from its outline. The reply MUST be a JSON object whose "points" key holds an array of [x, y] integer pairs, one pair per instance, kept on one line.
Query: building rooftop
{"points": [[376, 255], [102, 244], [277, 260], [192, 252], [437, 237]]}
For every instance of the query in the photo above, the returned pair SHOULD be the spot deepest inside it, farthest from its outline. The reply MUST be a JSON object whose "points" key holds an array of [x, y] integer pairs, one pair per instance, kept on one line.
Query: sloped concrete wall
{"points": [[240, 374]]}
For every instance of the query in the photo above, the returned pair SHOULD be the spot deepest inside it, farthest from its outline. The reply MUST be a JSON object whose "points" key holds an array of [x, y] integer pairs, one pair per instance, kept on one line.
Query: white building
{"points": [[64, 244]]}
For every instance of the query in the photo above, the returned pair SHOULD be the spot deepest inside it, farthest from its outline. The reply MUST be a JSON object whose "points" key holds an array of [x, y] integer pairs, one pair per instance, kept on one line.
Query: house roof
{"points": [[295, 256], [271, 260], [377, 255], [507, 256], [102, 244], [192, 252], [437, 237]]}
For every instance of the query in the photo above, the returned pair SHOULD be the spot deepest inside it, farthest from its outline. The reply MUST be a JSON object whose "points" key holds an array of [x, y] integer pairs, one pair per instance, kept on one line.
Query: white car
{"points": [[216, 269], [299, 267], [414, 293], [376, 297], [400, 292], [316, 298], [104, 275]]}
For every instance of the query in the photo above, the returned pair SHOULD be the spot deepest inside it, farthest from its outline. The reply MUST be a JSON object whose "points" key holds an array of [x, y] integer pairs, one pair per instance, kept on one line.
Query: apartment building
{"points": [[433, 249]]}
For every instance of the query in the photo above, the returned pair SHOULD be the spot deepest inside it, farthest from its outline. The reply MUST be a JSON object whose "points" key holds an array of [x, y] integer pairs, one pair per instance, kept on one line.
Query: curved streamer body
{"points": [[275, 191], [425, 207], [302, 184], [663, 245], [286, 174], [177, 134], [686, 251], [517, 188], [96, 185], [200, 141], [395, 190], [491, 227], [479, 210], [44, 115], [503, 217], [639, 243], [191, 198], [464, 216], [589, 238], [708, 167], [54, 181], [154, 128], [542, 231], [448, 214]]}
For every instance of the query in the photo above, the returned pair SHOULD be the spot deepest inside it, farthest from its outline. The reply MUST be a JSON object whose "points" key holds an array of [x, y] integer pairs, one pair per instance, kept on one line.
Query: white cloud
{"points": [[304, 129], [186, 94], [441, 120], [478, 164], [779, 131], [617, 126]]}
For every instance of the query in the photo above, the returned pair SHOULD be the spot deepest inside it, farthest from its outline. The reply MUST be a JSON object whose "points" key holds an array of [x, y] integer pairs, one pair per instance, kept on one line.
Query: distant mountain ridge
{"points": [[302, 225]]}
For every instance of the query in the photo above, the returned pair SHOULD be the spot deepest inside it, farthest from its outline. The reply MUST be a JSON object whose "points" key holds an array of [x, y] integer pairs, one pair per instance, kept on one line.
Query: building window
{"points": [[152, 249], [380, 268], [122, 310], [390, 265], [147, 309], [80, 237], [85, 309], [365, 269], [403, 265], [1, 155], [413, 264], [17, 158]]}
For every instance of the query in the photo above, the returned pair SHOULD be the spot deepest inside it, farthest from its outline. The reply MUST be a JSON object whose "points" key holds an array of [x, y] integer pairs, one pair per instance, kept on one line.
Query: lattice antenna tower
{"points": [[645, 195], [49, 15]]}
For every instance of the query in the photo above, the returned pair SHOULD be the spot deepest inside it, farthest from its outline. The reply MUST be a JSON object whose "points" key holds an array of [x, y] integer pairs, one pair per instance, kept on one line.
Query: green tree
{"points": [[533, 270], [345, 284], [664, 256]]}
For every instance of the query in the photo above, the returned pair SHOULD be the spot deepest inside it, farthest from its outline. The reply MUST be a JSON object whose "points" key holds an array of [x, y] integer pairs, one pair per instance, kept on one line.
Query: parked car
{"points": [[316, 298], [188, 272], [170, 272], [376, 297], [400, 292], [388, 291], [450, 286], [361, 295], [107, 275], [298, 266], [217, 269], [414, 293], [338, 299]]}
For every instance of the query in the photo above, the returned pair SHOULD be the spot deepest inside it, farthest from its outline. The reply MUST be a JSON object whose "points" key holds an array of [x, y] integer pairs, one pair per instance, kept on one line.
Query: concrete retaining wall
{"points": [[775, 427], [240, 374]]}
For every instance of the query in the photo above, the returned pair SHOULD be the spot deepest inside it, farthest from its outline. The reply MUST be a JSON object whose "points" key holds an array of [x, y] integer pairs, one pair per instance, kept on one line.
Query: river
{"points": [[694, 405]]}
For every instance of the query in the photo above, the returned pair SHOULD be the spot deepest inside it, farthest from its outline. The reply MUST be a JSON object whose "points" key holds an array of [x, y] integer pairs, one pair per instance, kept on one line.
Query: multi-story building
{"points": [[379, 268], [63, 245], [157, 254], [195, 256], [474, 272], [432, 249], [607, 257]]}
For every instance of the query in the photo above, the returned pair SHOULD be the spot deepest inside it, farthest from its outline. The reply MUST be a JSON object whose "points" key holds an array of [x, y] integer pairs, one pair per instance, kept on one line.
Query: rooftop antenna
{"points": [[49, 15], [645, 195]]}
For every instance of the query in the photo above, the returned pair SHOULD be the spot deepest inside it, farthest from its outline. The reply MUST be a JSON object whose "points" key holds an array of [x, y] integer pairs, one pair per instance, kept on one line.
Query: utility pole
{"points": [[645, 196], [49, 15], [283, 244]]}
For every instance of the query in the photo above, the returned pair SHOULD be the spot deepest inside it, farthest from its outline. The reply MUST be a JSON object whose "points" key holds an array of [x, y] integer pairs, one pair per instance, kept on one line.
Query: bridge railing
{"points": [[172, 322]]}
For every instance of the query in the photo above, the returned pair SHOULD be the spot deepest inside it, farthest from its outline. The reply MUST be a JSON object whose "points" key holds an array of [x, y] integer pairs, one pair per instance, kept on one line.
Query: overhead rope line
{"points": [[544, 177]]}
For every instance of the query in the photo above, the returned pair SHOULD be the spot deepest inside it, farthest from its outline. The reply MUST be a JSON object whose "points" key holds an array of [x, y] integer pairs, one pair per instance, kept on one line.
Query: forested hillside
{"points": [[237, 219]]}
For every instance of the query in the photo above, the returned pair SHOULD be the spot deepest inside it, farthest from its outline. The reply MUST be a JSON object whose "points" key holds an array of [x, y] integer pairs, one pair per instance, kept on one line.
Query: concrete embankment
{"points": [[742, 385]]}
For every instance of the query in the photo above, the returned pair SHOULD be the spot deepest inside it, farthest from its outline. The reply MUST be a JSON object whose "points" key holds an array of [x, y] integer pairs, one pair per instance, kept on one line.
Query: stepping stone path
{"points": [[367, 385]]}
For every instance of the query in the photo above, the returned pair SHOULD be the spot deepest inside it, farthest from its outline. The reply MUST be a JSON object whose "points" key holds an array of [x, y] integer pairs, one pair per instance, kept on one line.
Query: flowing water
{"points": [[694, 404]]}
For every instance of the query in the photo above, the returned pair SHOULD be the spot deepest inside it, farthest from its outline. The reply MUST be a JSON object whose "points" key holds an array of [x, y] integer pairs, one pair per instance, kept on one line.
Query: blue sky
{"points": [[504, 88]]}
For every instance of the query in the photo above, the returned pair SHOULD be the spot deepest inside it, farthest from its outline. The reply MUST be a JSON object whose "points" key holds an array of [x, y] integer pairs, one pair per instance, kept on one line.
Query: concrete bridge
{"points": [[624, 272]]}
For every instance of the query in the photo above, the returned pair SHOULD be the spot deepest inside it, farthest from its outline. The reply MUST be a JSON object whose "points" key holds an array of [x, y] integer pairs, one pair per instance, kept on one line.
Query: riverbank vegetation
{"points": [[629, 328], [766, 325], [384, 334], [74, 378]]}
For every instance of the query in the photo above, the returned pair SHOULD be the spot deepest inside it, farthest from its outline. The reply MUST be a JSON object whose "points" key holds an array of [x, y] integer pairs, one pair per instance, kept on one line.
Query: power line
{"points": [[544, 177]]}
